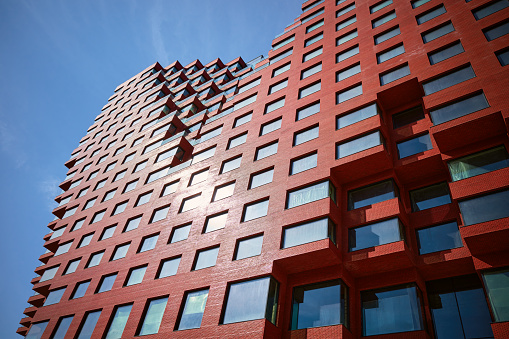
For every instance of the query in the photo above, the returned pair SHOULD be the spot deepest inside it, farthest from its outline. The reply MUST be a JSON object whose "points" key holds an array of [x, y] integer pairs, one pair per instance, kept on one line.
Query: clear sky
{"points": [[60, 60]]}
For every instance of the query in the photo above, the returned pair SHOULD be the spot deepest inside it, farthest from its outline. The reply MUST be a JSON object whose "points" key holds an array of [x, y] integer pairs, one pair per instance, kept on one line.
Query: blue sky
{"points": [[59, 62]]}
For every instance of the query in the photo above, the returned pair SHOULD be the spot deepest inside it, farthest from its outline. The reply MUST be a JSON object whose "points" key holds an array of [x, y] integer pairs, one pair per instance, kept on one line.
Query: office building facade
{"points": [[354, 182]]}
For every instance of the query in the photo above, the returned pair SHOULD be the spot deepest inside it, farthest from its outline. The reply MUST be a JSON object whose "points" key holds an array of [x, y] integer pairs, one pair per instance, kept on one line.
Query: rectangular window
{"points": [[72, 266], [249, 247], [88, 325], [281, 56], [63, 248], [305, 135], [49, 274], [394, 75], [303, 163], [484, 208], [211, 134], [152, 316], [135, 276], [107, 232], [310, 55], [438, 238], [237, 141], [448, 80], [430, 196], [208, 153], [280, 70], [61, 328], [244, 119], [391, 310], [383, 19], [215, 222], [348, 72], [431, 14], [132, 224], [198, 177], [459, 108], [191, 312], [445, 53], [311, 193], [180, 233], [314, 26], [496, 31], [414, 146], [250, 300], [80, 290], [359, 144], [372, 194], [249, 85], [120, 251], [418, 3], [37, 330], [348, 94], [308, 232], [379, 6], [319, 304], [283, 42], [278, 86], [106, 283], [54, 296], [270, 126], [205, 258], [274, 105], [345, 10], [312, 16], [391, 33], [376, 234], [245, 102], [118, 321], [148, 243], [168, 268], [312, 40], [170, 188], [407, 117], [160, 214], [346, 23], [347, 53], [310, 89], [503, 57], [490, 8], [356, 116], [255, 210], [230, 165], [265, 151], [497, 289], [310, 71], [390, 53], [223, 191], [261, 178], [307, 111], [346, 37]]}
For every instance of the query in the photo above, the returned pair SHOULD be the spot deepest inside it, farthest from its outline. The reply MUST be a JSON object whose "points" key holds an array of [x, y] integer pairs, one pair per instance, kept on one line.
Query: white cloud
{"points": [[49, 189]]}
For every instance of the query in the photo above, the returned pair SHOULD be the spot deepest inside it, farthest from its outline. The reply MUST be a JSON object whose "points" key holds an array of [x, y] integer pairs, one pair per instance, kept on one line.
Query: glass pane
{"points": [[249, 247], [394, 75], [230, 165], [358, 145], [479, 163], [495, 31], [347, 37], [206, 258], [459, 109], [307, 232], [347, 54], [148, 243], [62, 327], [372, 194], [414, 146], [382, 20], [180, 233], [80, 290], [274, 106], [348, 94], [497, 288], [313, 88], [485, 208], [247, 300], [503, 57], [215, 222], [445, 53], [312, 54], [119, 321], [308, 194], [430, 15], [256, 210], [37, 330], [303, 164], [310, 71], [266, 151], [490, 9], [407, 117], [449, 80], [261, 178], [387, 35], [54, 297], [430, 196], [88, 325], [306, 135], [107, 283], [153, 316], [380, 233], [193, 310], [271, 126], [391, 53], [136, 276], [439, 238], [169, 267], [356, 116], [348, 72], [308, 111]]}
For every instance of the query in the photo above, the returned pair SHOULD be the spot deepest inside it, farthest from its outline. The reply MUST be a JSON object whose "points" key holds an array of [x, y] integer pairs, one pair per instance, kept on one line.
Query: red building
{"points": [[353, 183]]}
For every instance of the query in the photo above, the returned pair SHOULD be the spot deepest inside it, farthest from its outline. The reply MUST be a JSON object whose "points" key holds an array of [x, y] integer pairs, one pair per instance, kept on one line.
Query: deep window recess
{"points": [[484, 208], [445, 53], [478, 163], [414, 146], [192, 310], [497, 289], [308, 232], [438, 238], [430, 196], [311, 193], [372, 194], [357, 115], [376, 234], [459, 108], [407, 117], [358, 145]]}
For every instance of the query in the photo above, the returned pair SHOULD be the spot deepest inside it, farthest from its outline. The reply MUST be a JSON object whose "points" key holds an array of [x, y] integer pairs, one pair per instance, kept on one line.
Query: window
{"points": [[85, 240], [168, 268], [496, 31], [198, 177], [89, 203], [314, 26], [303, 163], [148, 243], [430, 196], [108, 232], [80, 289], [348, 53], [49, 274], [135, 276], [307, 111], [250, 300], [37, 330], [407, 117], [211, 134], [348, 72], [281, 69], [265, 151], [394, 75], [274, 105], [484, 208], [348, 94], [106, 283], [203, 155], [458, 308], [205, 258], [459, 108], [490, 8], [62, 327], [169, 188], [54, 296], [237, 140], [311, 16], [479, 163], [95, 259], [248, 247], [140, 166], [87, 326], [261, 178], [384, 36], [57, 232], [310, 55], [152, 316], [418, 3], [143, 199], [390, 53], [243, 119], [391, 310], [345, 23], [307, 232], [180, 233], [130, 186], [69, 212], [345, 10], [305, 136], [215, 222], [445, 53], [63, 248], [503, 57], [72, 266], [100, 184], [255, 210], [190, 203], [245, 102], [319, 304], [497, 289], [311, 193], [312, 40], [119, 175], [119, 208], [358, 145], [98, 216], [310, 71], [249, 85], [356, 116], [433, 13], [413, 146], [347, 37], [372, 194], [223, 191], [191, 312], [448, 80], [376, 234], [82, 192], [129, 157], [281, 56], [383, 19], [78, 224], [278, 86], [117, 323], [160, 214], [438, 238], [310, 89], [120, 251], [283, 42]]}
